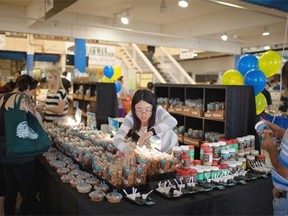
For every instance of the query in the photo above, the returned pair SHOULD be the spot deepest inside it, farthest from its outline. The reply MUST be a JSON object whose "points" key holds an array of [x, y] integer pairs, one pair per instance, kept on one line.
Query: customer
{"points": [[124, 102], [267, 95], [145, 120], [279, 159], [66, 83], [56, 106], [150, 86], [18, 171]]}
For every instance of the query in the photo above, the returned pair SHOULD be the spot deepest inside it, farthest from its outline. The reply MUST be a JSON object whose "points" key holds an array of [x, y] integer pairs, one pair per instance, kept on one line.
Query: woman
{"points": [[18, 171], [145, 120], [56, 106]]}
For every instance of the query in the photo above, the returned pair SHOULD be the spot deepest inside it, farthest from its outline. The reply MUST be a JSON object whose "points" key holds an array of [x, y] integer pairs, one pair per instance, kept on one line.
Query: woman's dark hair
{"points": [[285, 73], [25, 82], [148, 97]]}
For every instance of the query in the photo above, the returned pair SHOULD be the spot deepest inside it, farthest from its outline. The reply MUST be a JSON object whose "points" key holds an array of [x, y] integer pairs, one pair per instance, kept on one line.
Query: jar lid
{"points": [[216, 145], [242, 159], [250, 157], [255, 152], [193, 171], [258, 124], [191, 147], [214, 168], [229, 142], [185, 156], [207, 151], [224, 166], [184, 147], [184, 172], [231, 150], [224, 151], [205, 145], [222, 143], [197, 162], [176, 148], [260, 157]]}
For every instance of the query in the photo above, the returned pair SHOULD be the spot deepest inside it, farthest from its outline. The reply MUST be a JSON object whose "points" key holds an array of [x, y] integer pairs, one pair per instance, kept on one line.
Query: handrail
{"points": [[131, 58], [148, 63], [176, 64]]}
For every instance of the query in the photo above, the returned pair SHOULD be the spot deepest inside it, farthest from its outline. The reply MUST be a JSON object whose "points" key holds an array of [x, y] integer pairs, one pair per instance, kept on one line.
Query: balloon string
{"points": [[282, 55]]}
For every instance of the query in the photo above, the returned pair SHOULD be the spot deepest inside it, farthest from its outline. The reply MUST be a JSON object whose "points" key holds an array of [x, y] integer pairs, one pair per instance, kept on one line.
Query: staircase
{"points": [[164, 67]]}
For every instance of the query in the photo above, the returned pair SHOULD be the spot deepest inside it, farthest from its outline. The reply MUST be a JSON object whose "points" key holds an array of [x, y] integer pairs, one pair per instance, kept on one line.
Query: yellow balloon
{"points": [[270, 63], [117, 72], [261, 103], [232, 77], [106, 80]]}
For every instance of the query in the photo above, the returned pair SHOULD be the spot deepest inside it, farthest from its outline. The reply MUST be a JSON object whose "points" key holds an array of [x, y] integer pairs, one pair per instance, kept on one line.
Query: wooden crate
{"points": [[192, 141]]}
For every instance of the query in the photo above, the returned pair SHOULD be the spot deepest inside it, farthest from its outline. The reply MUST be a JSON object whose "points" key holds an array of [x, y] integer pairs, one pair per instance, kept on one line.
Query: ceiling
{"points": [[197, 27]]}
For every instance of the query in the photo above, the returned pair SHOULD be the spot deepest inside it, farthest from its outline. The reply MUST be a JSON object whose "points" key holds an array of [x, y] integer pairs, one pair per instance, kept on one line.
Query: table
{"points": [[57, 198]]}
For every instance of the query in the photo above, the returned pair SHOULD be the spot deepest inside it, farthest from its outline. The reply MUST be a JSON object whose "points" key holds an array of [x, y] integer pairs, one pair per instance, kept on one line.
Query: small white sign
{"points": [[2, 41], [187, 54]]}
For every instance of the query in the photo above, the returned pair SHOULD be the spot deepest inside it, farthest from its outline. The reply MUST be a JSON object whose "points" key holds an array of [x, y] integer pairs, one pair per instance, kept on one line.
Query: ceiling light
{"points": [[224, 37], [227, 4], [266, 47], [265, 32], [163, 7], [183, 3], [125, 19]]}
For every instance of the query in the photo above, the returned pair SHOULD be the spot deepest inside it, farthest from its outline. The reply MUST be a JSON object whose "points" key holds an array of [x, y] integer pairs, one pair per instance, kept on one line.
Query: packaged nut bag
{"points": [[140, 175], [129, 176]]}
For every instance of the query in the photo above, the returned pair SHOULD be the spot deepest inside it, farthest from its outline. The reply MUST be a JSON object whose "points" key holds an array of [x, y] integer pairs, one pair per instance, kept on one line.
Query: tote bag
{"points": [[23, 132]]}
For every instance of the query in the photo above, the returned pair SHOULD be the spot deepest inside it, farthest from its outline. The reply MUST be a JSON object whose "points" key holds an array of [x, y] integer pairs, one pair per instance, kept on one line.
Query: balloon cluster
{"points": [[111, 74], [252, 71]]}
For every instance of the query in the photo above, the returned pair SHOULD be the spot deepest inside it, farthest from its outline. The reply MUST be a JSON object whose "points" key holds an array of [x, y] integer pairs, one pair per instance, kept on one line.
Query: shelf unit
{"points": [[102, 100], [239, 112]]}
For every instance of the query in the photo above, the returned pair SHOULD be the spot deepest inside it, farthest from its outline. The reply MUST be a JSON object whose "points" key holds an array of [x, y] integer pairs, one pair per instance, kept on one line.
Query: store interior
{"points": [[198, 57]]}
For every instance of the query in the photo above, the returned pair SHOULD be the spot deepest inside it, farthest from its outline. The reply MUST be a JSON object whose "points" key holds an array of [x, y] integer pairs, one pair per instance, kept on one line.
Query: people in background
{"points": [[56, 105], [267, 95], [275, 85], [150, 86], [18, 171], [278, 158], [66, 83], [124, 103], [214, 81], [284, 97], [145, 120]]}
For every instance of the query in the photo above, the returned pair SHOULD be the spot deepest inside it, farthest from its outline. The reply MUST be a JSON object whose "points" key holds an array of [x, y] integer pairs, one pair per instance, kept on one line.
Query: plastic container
{"points": [[225, 154], [191, 152], [261, 126], [184, 174], [216, 150], [177, 151], [250, 161], [243, 161], [185, 161], [232, 153], [207, 157], [254, 152], [261, 158], [200, 175], [241, 144]]}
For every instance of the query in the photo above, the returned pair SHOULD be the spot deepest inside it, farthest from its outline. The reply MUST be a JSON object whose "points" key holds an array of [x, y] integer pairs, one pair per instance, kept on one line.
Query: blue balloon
{"points": [[118, 86], [257, 79], [246, 63], [108, 71]]}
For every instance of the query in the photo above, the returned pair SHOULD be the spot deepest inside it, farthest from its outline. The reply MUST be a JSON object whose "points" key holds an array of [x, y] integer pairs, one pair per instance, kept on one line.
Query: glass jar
{"points": [[185, 161], [207, 157]]}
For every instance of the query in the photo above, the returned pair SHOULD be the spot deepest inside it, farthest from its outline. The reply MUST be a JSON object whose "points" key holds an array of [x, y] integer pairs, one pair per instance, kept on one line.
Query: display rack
{"points": [[239, 115], [101, 100]]}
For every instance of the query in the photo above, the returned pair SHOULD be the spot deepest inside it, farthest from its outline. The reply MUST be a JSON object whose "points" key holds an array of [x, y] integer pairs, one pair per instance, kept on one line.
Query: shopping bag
{"points": [[23, 132]]}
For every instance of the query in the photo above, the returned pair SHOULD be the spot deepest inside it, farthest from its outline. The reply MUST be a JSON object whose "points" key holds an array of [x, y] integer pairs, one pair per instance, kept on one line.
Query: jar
{"points": [[185, 149], [250, 161], [193, 174], [252, 140], [216, 150], [215, 172], [232, 153], [254, 152], [243, 161], [232, 167], [225, 155], [241, 144], [240, 154], [207, 157], [177, 151], [184, 174], [247, 152], [238, 165], [200, 175], [261, 126], [191, 152], [202, 148], [215, 161], [222, 145], [197, 162], [185, 161], [247, 142], [261, 158]]}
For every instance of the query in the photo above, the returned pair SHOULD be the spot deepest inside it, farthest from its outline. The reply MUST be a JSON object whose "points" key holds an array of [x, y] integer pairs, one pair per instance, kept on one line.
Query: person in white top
{"points": [[146, 119]]}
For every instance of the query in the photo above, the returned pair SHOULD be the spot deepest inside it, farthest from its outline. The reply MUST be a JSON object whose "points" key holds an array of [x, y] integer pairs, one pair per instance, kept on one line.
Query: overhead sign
{"points": [[187, 54]]}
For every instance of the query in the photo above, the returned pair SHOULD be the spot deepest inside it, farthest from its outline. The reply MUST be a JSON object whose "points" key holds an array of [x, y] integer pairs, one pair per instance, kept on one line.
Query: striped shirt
{"points": [[279, 181], [52, 101], [164, 124]]}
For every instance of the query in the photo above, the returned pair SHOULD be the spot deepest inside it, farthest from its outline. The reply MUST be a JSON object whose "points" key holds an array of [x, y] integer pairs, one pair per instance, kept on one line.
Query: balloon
{"points": [[246, 63], [270, 63], [106, 80], [257, 79], [261, 103], [117, 72], [118, 86], [108, 71], [232, 77]]}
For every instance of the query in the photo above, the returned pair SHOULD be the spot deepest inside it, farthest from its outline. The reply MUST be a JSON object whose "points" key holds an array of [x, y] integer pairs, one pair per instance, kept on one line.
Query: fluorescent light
{"points": [[183, 3], [228, 4], [265, 32], [125, 20], [224, 37]]}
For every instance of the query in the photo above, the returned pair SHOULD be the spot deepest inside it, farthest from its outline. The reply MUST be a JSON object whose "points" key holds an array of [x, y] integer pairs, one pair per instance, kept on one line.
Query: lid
{"points": [[216, 144], [97, 193], [260, 157], [240, 139], [252, 137], [232, 165], [250, 157], [214, 162], [214, 168], [205, 145], [185, 156], [242, 159], [208, 151], [259, 124], [231, 150], [224, 166], [230, 142], [197, 162], [255, 152], [114, 195], [184, 147], [176, 148], [183, 172], [191, 147], [224, 151], [222, 143], [193, 171]]}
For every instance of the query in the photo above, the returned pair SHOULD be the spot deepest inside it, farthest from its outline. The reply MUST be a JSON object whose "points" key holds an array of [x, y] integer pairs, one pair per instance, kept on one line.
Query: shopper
{"points": [[278, 158], [124, 102], [267, 95], [18, 171], [150, 86], [66, 83], [145, 120], [56, 106]]}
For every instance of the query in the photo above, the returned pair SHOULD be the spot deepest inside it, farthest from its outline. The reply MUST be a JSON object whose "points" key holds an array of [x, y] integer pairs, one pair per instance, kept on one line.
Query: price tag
{"points": [[113, 125], [91, 120], [78, 115]]}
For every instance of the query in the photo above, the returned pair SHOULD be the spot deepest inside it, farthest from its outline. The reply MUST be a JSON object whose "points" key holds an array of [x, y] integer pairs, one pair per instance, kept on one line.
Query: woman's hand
{"points": [[277, 131], [39, 108], [130, 157], [145, 138]]}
